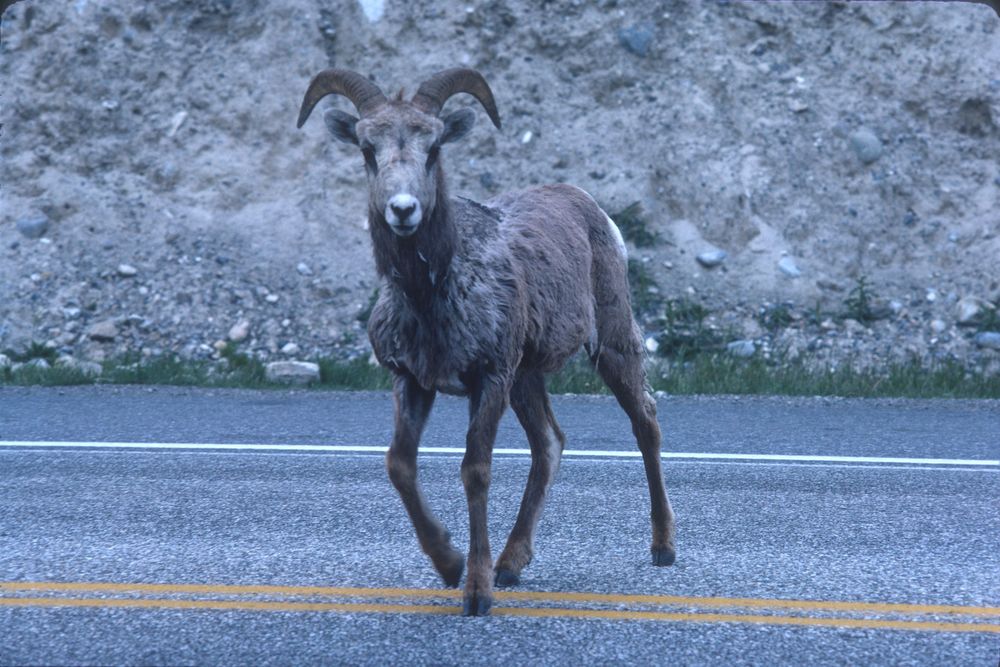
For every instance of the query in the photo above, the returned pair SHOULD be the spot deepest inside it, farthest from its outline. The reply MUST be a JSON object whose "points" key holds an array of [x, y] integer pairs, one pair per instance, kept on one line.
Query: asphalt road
{"points": [[298, 552]]}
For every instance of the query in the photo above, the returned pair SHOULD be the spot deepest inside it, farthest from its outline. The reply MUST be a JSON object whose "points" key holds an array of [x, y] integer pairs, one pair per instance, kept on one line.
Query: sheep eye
{"points": [[369, 153], [432, 156]]}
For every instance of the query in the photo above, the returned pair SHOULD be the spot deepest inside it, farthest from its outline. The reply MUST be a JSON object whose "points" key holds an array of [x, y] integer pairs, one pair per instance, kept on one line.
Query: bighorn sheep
{"points": [[481, 300]]}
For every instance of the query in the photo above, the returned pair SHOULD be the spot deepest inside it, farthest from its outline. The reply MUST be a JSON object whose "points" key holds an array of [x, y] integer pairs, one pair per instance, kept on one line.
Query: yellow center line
{"points": [[534, 596], [543, 612]]}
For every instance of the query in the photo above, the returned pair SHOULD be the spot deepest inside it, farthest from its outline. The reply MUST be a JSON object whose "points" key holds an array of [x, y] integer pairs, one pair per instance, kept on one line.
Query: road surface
{"points": [[184, 526]]}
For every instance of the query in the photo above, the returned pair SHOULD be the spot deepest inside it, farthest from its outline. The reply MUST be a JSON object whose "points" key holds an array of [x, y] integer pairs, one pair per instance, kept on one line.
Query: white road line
{"points": [[590, 453]]}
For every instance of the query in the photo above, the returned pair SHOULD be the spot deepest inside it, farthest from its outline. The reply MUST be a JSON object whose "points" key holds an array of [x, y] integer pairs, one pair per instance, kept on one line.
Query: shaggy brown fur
{"points": [[482, 300]]}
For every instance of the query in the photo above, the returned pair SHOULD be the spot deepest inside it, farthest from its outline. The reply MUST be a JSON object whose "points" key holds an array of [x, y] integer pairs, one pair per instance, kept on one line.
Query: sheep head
{"points": [[400, 140]]}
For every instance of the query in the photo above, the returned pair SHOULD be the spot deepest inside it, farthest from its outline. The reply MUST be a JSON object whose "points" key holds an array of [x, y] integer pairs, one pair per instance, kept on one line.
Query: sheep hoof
{"points": [[506, 578], [663, 556], [451, 572], [476, 604]]}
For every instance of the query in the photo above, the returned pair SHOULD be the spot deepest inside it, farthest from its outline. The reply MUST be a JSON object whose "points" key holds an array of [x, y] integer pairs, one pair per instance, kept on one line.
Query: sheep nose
{"points": [[403, 212], [403, 207]]}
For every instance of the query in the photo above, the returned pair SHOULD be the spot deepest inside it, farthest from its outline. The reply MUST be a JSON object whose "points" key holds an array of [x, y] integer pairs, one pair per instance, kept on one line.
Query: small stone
{"points": [[660, 394], [851, 325], [968, 308], [712, 258], [38, 362], [741, 348], [127, 270], [487, 180], [931, 296], [103, 332], [867, 146], [789, 268], [637, 38], [239, 331], [71, 312], [271, 298], [175, 123], [652, 345], [33, 227], [220, 345], [526, 137], [303, 269], [827, 284], [292, 372], [990, 339], [939, 326], [797, 106], [290, 349], [4, 362]]}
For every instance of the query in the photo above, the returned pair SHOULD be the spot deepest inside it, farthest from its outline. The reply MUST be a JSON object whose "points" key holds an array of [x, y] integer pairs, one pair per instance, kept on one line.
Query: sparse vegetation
{"points": [[684, 332], [989, 318], [859, 302], [775, 317], [707, 373], [34, 351], [633, 226], [646, 298]]}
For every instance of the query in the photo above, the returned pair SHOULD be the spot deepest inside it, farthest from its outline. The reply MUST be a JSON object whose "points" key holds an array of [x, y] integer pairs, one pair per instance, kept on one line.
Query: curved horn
{"points": [[365, 95], [435, 91]]}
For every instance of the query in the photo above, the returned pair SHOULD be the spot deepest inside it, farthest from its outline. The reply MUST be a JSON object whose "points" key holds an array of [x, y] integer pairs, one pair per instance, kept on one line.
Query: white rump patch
{"points": [[617, 233]]}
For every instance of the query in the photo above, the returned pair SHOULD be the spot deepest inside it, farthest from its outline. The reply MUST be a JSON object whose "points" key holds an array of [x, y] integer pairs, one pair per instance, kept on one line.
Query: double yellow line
{"points": [[580, 605]]}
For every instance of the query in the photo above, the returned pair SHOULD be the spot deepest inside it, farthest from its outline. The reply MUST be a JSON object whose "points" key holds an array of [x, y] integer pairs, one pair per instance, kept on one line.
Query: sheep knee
{"points": [[402, 472]]}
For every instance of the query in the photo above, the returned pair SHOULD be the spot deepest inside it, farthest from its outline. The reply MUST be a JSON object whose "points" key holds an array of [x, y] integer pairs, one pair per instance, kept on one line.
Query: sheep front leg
{"points": [[413, 405], [486, 406]]}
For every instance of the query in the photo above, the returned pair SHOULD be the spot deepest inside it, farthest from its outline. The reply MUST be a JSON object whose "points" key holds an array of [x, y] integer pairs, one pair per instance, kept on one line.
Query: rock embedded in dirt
{"points": [[290, 349], [292, 372], [33, 227], [789, 267], [968, 309], [239, 331], [866, 144], [741, 348], [990, 339], [637, 38], [712, 258], [4, 362], [104, 331], [127, 270]]}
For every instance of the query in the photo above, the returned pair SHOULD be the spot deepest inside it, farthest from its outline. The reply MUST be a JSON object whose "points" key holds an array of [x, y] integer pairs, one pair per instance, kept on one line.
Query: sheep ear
{"points": [[341, 126], [457, 124]]}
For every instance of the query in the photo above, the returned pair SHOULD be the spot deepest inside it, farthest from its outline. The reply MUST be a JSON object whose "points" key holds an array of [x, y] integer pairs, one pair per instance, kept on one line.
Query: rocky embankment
{"points": [[158, 200]]}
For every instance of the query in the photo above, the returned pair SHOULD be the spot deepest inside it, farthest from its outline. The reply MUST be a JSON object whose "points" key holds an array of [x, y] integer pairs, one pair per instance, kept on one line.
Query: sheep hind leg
{"points": [[530, 402], [413, 405], [625, 375]]}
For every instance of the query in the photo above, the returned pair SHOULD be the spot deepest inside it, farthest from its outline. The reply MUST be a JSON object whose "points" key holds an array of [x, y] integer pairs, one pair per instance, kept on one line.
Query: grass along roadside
{"points": [[703, 374]]}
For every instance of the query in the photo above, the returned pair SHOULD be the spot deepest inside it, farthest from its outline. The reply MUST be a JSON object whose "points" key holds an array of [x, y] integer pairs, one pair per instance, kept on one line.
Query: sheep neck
{"points": [[417, 265]]}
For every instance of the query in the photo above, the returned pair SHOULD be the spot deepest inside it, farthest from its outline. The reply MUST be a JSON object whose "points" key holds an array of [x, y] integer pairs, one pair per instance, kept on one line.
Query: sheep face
{"points": [[401, 146]]}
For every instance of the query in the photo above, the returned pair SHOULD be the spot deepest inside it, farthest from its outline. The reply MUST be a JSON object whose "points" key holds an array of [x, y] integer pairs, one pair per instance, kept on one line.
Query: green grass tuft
{"points": [[706, 373], [353, 374], [646, 298], [633, 226]]}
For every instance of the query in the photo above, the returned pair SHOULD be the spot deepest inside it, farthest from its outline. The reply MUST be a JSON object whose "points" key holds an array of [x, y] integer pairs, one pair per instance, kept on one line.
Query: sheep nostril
{"points": [[403, 212]]}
